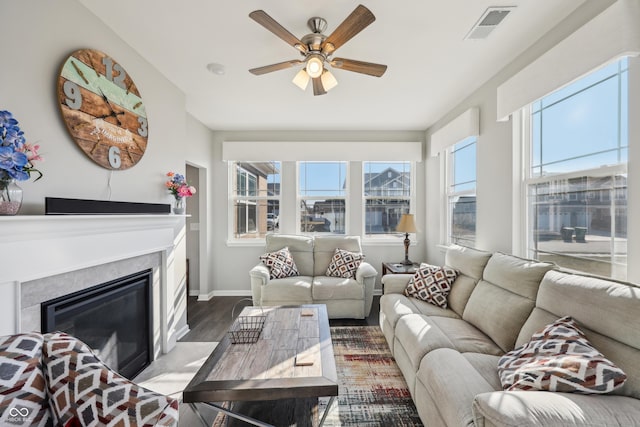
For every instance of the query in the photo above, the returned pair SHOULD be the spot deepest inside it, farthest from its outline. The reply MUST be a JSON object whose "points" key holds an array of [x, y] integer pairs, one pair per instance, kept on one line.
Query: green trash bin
{"points": [[567, 234], [581, 232]]}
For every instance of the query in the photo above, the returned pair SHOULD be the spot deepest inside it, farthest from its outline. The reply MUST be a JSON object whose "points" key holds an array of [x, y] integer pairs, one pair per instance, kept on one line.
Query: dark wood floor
{"points": [[210, 320]]}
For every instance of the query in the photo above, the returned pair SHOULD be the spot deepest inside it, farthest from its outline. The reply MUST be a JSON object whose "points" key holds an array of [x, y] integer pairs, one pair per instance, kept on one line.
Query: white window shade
{"points": [[465, 125], [321, 151], [609, 36]]}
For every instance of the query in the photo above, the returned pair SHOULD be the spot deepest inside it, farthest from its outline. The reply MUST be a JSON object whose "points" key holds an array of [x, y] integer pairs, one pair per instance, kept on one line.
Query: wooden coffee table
{"points": [[292, 359]]}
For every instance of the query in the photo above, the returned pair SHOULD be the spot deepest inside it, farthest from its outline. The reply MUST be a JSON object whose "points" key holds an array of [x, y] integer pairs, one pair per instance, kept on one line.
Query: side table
{"points": [[399, 268]]}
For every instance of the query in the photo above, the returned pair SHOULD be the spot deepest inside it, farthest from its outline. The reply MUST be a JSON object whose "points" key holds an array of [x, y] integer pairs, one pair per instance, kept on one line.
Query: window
{"points": [[387, 195], [256, 198], [577, 180], [322, 191], [461, 193]]}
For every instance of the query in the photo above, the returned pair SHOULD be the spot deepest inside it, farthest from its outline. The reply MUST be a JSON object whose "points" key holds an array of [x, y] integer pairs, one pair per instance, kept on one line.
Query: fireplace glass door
{"points": [[113, 318]]}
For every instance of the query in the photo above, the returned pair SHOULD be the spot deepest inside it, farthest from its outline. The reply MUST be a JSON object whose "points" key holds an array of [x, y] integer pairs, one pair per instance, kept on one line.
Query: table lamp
{"points": [[406, 225]]}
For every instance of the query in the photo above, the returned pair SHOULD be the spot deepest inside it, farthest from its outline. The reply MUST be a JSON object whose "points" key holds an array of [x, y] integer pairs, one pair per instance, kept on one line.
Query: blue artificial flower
{"points": [[7, 120], [14, 137], [10, 159]]}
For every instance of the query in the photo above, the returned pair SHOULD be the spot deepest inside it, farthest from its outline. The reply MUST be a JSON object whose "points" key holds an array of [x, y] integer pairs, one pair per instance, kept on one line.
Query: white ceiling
{"points": [[431, 68]]}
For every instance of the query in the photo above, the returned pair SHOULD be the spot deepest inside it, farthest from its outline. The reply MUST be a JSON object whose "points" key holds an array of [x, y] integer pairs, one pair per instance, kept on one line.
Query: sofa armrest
{"points": [[538, 408], [259, 277], [395, 283], [366, 275]]}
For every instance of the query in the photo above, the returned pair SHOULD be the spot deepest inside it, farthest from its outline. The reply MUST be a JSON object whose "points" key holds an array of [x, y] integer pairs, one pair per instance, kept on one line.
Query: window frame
{"points": [[391, 235], [529, 244], [449, 193], [234, 199], [344, 198]]}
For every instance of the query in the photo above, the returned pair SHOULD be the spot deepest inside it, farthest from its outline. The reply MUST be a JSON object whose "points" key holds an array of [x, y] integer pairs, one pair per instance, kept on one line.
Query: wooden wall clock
{"points": [[102, 109]]}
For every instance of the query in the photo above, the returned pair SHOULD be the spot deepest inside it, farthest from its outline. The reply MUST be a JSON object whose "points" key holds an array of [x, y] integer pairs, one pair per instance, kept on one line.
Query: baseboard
{"points": [[241, 293], [182, 332], [194, 293]]}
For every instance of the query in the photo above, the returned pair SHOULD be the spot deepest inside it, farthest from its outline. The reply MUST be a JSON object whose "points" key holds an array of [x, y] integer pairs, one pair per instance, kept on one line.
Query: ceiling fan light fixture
{"points": [[314, 66], [301, 79], [328, 80]]}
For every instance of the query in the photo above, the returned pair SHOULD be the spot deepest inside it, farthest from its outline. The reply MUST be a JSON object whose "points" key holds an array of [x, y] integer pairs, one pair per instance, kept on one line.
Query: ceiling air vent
{"points": [[489, 20]]}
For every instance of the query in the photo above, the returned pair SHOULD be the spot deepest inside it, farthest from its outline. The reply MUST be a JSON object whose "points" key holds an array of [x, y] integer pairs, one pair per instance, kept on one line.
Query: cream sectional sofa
{"points": [[344, 297], [449, 357]]}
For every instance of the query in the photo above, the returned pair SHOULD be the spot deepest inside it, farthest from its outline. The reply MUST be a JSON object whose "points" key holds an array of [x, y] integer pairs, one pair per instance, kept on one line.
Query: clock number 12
{"points": [[120, 75]]}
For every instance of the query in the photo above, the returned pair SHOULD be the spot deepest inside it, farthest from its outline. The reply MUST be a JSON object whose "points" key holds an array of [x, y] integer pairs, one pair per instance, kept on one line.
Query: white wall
{"points": [[37, 37], [495, 183]]}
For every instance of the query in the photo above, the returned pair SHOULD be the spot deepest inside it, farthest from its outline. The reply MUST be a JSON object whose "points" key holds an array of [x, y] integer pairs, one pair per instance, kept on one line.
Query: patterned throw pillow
{"points": [[23, 391], [344, 264], [559, 358], [81, 387], [280, 264], [432, 284]]}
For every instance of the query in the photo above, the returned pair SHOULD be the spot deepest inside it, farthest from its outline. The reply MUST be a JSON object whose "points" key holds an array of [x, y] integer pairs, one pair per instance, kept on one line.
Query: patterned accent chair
{"points": [[55, 379]]}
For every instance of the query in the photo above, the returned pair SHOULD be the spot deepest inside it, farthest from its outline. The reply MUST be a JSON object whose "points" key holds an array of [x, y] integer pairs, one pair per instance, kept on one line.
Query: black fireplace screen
{"points": [[113, 318]]}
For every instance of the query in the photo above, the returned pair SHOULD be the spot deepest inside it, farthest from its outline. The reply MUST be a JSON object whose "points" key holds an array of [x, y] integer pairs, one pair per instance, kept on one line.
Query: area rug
{"points": [[372, 391]]}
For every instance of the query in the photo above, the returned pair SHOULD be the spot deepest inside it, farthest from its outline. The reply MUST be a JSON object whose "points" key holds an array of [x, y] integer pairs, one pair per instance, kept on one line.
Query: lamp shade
{"points": [[301, 79], [328, 80], [407, 224]]}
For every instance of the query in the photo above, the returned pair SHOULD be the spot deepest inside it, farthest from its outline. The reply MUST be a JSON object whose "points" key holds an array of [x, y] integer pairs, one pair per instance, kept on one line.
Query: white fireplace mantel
{"points": [[39, 246]]}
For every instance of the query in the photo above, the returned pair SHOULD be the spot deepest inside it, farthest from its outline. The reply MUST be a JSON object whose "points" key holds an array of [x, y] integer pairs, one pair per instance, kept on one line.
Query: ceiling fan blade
{"points": [[318, 89], [275, 67], [369, 68], [261, 17], [359, 19]]}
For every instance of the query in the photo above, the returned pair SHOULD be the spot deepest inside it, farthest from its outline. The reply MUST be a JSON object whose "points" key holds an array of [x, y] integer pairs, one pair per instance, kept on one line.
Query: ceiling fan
{"points": [[317, 49]]}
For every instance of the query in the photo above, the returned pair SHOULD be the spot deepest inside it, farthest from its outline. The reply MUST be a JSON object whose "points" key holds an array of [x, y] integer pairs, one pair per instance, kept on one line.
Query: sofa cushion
{"points": [[23, 391], [288, 290], [324, 247], [559, 358], [431, 284], [419, 334], [470, 264], [301, 248], [81, 386], [448, 379], [280, 263], [344, 264], [330, 288], [501, 302], [541, 408]]}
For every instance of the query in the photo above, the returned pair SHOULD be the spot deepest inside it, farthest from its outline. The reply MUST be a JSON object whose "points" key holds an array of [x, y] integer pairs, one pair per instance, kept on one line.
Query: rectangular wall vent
{"points": [[490, 19]]}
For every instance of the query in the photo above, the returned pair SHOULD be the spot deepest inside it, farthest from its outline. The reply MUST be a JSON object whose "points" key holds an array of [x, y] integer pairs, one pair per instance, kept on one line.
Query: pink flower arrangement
{"points": [[178, 186]]}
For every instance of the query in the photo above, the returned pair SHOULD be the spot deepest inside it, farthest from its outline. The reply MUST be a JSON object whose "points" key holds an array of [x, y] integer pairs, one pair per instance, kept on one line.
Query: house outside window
{"points": [[577, 174], [461, 193], [387, 195], [322, 195], [255, 193]]}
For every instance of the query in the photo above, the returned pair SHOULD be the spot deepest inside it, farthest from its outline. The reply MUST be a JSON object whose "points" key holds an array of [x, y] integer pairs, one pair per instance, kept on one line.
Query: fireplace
{"points": [[113, 318]]}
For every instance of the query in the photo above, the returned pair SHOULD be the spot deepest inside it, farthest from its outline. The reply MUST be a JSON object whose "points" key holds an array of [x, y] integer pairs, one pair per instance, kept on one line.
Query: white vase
{"points": [[178, 206], [10, 197]]}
